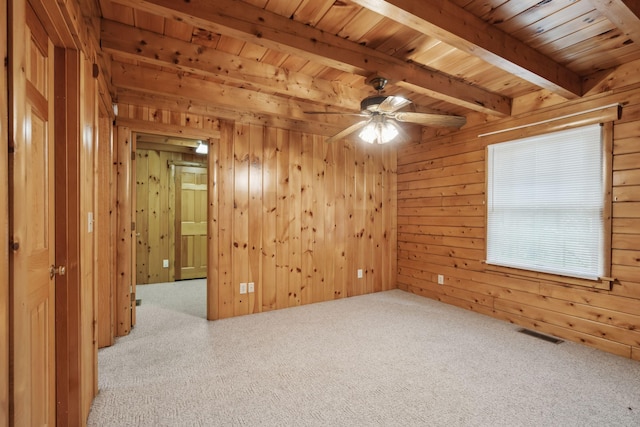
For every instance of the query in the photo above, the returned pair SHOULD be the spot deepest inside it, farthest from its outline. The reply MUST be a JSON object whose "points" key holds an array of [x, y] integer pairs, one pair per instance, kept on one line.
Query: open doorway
{"points": [[171, 223]]}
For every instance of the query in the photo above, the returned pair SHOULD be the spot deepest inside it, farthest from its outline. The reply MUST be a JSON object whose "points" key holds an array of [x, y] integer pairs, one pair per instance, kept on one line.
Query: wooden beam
{"points": [[624, 14], [189, 88], [182, 85], [455, 26], [255, 25], [147, 46], [166, 129], [182, 105]]}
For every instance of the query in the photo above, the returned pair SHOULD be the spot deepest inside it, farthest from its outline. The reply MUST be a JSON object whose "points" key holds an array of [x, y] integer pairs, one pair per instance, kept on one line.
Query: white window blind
{"points": [[545, 203]]}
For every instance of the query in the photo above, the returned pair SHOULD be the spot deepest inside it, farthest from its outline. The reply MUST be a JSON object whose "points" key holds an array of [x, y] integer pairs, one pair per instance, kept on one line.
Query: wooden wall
{"points": [[88, 240], [155, 240], [441, 230], [105, 228], [298, 217], [295, 216]]}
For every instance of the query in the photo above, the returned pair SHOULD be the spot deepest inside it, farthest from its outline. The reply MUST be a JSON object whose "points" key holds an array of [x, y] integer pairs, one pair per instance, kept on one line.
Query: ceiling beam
{"points": [[189, 87], [139, 125], [173, 104], [624, 14], [153, 48], [140, 86], [451, 24], [255, 25]]}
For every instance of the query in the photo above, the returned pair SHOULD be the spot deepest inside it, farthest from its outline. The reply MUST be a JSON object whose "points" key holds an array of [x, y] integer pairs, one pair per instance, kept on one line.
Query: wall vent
{"points": [[540, 336]]}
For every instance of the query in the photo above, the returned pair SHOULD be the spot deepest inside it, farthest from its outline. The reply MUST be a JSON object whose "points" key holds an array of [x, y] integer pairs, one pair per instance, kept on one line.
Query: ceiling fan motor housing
{"points": [[372, 102]]}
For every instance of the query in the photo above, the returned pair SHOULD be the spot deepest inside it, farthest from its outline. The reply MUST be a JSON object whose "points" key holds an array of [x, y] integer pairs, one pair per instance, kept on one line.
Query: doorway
{"points": [[171, 220]]}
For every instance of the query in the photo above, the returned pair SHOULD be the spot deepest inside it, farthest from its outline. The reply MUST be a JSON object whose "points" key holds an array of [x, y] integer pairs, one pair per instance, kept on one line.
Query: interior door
{"points": [[33, 225], [191, 222]]}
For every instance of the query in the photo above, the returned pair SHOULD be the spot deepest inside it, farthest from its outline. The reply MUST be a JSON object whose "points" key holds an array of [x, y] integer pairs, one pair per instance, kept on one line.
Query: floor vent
{"points": [[540, 336]]}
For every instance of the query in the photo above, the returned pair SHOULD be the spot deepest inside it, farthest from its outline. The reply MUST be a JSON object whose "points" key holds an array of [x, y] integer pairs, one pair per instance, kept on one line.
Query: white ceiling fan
{"points": [[382, 115]]}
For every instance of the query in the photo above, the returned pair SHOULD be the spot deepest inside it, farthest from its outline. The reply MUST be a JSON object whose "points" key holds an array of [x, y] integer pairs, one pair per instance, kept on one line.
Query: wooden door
{"points": [[33, 226], [191, 222]]}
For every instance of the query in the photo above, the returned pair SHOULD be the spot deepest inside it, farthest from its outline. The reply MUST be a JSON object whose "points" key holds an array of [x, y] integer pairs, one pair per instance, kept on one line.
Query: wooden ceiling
{"points": [[269, 61]]}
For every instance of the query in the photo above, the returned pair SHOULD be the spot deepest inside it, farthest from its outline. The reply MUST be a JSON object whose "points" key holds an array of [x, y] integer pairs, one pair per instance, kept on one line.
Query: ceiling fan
{"points": [[382, 113]]}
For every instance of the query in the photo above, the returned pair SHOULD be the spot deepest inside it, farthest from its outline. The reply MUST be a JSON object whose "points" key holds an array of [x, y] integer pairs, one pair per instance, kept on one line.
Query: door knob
{"points": [[60, 271]]}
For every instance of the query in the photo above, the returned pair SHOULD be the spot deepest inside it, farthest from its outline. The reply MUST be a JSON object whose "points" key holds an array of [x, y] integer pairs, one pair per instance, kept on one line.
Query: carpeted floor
{"points": [[385, 359]]}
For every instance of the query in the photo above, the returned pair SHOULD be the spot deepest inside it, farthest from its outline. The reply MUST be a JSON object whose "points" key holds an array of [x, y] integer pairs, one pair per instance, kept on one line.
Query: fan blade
{"points": [[431, 119], [351, 129], [335, 112], [392, 103]]}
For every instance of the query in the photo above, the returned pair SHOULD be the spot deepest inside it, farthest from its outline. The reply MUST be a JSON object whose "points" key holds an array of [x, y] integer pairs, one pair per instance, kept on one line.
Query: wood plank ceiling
{"points": [[269, 61]]}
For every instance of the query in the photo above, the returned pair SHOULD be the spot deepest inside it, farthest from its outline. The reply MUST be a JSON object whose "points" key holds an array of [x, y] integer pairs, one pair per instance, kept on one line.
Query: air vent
{"points": [[540, 336]]}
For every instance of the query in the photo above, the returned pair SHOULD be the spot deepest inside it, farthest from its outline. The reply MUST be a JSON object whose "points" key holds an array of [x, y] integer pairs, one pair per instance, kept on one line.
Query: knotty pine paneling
{"points": [[105, 233], [298, 217], [292, 214], [155, 240], [88, 238], [441, 230]]}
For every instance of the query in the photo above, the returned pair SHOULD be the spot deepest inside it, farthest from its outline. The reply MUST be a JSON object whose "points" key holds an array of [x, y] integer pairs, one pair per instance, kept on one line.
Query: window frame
{"points": [[603, 282]]}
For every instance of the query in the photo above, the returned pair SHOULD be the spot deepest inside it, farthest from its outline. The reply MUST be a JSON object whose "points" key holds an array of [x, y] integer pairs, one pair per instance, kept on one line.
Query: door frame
{"points": [[4, 221], [126, 131], [67, 181]]}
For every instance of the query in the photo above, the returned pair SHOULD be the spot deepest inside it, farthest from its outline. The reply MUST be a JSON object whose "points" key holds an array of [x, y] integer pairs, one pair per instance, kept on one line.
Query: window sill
{"points": [[602, 283]]}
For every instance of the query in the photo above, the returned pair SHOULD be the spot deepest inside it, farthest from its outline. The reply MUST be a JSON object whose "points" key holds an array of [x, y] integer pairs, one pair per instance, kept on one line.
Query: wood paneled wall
{"points": [[290, 213], [298, 217], [88, 238], [124, 247], [105, 229], [441, 230], [155, 240]]}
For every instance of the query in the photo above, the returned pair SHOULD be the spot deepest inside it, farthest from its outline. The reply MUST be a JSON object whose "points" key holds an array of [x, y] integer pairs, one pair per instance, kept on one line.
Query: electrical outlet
{"points": [[440, 279], [243, 288], [359, 273], [165, 263], [252, 287]]}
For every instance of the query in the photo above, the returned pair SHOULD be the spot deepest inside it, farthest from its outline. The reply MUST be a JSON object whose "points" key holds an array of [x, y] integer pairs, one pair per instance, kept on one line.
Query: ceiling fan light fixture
{"points": [[379, 132]]}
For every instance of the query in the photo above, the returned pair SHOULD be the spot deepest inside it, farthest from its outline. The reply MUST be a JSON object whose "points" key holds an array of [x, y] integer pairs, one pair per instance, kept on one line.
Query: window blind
{"points": [[545, 202]]}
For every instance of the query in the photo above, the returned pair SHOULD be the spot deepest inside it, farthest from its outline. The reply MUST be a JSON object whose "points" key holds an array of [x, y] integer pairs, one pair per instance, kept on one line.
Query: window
{"points": [[545, 203]]}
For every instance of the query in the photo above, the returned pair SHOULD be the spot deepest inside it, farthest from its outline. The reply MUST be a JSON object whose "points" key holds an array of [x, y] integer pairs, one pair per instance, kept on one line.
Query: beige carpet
{"points": [[386, 359]]}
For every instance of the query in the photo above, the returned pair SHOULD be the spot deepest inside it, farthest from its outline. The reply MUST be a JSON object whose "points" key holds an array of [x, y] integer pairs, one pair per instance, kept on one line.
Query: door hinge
{"points": [[133, 226], [60, 271], [133, 296], [133, 155]]}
